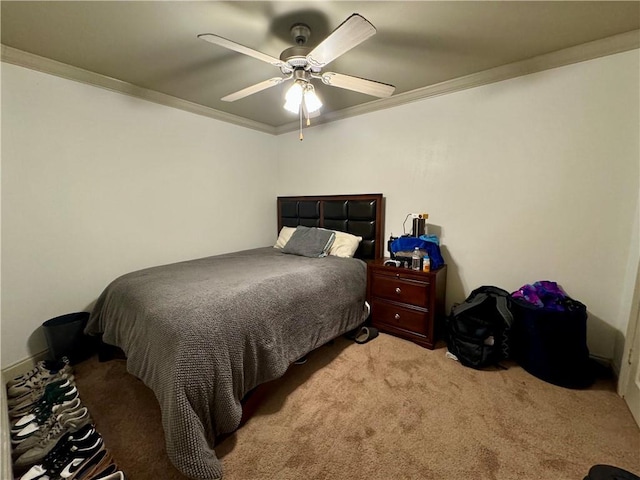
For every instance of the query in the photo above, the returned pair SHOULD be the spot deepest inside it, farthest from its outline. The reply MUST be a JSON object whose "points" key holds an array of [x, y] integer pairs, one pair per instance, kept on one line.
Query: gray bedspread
{"points": [[203, 333]]}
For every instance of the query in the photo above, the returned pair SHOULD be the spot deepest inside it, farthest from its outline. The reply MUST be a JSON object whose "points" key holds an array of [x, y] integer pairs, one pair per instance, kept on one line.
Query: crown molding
{"points": [[580, 53], [46, 65]]}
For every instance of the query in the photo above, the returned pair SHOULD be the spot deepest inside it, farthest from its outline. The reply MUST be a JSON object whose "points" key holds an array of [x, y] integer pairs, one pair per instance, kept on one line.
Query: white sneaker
{"points": [[65, 423], [33, 432], [41, 417]]}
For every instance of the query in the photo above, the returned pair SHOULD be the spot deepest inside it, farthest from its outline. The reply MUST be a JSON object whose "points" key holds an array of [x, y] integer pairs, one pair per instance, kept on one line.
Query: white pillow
{"points": [[283, 238], [345, 245]]}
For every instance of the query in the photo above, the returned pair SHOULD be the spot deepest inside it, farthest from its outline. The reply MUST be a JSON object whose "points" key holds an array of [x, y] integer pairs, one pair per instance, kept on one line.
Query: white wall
{"points": [[528, 179], [96, 184]]}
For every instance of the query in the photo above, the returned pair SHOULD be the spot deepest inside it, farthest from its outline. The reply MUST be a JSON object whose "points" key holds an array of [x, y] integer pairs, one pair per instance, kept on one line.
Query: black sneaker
{"points": [[43, 470], [67, 464], [55, 393], [102, 462]]}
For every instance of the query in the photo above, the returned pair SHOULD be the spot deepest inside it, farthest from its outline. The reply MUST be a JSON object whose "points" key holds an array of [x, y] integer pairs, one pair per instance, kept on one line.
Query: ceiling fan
{"points": [[303, 64]]}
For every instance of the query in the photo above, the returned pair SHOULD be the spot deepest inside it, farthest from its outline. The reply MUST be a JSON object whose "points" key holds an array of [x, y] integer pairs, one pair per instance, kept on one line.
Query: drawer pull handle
{"points": [[398, 291], [397, 316]]}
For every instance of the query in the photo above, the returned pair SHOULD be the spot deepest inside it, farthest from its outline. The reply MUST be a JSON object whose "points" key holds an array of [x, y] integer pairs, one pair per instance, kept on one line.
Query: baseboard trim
{"points": [[23, 366], [607, 362], [5, 441]]}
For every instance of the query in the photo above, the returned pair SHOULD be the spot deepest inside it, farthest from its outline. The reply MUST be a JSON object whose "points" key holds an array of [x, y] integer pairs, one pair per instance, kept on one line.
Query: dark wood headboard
{"points": [[360, 215]]}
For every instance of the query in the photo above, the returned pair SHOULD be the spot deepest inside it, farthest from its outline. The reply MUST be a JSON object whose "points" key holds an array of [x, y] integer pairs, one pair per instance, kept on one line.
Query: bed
{"points": [[204, 333]]}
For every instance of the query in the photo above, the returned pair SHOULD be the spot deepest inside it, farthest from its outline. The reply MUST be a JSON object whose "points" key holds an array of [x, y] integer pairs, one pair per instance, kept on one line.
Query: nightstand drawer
{"points": [[399, 317], [403, 291]]}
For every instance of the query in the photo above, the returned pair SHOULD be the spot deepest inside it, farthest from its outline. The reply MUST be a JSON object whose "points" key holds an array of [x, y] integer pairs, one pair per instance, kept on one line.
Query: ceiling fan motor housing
{"points": [[296, 57]]}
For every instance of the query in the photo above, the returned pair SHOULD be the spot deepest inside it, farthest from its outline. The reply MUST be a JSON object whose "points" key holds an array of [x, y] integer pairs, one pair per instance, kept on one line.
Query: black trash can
{"points": [[551, 344], [65, 337]]}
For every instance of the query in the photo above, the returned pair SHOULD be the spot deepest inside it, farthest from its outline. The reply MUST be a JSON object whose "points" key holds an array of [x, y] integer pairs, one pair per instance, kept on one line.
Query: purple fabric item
{"points": [[543, 294]]}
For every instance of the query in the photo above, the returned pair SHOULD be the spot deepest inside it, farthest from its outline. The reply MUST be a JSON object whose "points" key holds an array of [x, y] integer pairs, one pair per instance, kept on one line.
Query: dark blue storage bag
{"points": [[552, 344]]}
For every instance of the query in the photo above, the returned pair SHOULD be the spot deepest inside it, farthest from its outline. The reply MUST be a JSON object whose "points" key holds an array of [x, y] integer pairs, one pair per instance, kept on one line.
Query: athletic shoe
{"points": [[56, 392], [66, 467], [33, 432], [36, 393], [83, 435], [49, 468], [40, 417], [34, 440], [36, 448], [42, 368], [37, 472], [41, 377], [101, 464], [33, 395]]}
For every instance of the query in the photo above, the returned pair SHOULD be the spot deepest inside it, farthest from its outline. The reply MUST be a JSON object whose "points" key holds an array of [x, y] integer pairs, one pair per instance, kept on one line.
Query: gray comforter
{"points": [[203, 333]]}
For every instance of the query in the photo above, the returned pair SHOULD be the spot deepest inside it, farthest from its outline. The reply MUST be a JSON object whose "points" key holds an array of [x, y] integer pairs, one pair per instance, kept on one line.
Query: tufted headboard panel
{"points": [[360, 215]]}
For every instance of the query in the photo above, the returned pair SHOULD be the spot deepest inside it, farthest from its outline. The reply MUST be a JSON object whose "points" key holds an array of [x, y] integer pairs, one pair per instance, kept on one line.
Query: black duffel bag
{"points": [[478, 328]]}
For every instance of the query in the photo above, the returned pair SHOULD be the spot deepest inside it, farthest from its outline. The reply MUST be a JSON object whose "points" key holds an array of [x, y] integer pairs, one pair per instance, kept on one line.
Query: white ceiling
{"points": [[153, 47]]}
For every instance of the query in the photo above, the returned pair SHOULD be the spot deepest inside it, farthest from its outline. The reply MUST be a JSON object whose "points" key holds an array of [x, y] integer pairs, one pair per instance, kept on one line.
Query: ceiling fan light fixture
{"points": [[311, 100], [293, 97], [302, 91]]}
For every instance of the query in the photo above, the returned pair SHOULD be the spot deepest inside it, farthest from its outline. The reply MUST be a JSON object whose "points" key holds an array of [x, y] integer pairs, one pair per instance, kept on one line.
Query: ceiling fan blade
{"points": [[352, 32], [362, 85], [258, 87], [223, 42]]}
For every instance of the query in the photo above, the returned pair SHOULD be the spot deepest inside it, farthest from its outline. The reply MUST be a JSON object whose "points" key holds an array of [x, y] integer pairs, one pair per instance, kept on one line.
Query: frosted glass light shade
{"points": [[293, 98], [299, 92], [311, 100]]}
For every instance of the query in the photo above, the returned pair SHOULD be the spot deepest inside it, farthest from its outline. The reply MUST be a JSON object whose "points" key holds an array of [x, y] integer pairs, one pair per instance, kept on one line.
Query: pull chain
{"points": [[301, 136]]}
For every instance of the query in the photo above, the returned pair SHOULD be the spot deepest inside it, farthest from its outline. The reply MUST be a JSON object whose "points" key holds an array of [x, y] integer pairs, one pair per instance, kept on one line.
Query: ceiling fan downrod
{"points": [[300, 33]]}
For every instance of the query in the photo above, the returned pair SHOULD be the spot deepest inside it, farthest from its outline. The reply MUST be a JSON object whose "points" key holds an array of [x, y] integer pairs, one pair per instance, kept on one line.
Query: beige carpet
{"points": [[384, 410]]}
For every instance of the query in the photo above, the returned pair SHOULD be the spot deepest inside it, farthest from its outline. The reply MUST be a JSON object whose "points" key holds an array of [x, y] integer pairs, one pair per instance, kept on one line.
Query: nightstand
{"points": [[407, 303]]}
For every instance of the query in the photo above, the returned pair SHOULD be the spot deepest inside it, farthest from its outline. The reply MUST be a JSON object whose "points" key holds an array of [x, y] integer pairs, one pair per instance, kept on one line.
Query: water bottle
{"points": [[415, 259]]}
